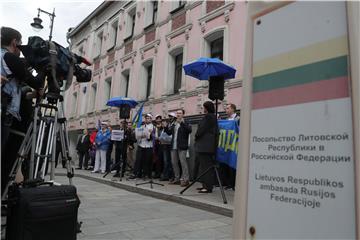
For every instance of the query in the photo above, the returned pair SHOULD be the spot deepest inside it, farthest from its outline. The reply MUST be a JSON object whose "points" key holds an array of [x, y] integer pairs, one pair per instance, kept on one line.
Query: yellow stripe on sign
{"points": [[314, 53]]}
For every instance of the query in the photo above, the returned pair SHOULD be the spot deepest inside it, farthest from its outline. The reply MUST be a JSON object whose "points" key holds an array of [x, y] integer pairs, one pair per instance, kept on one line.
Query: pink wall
{"points": [[195, 94]]}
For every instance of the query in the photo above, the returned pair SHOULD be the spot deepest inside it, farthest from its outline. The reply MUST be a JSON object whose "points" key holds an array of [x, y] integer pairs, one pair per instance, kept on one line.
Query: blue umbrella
{"points": [[204, 68], [119, 101]]}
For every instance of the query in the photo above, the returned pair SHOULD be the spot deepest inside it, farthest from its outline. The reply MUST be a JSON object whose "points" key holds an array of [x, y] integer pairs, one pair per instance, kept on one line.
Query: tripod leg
{"points": [[53, 146], [47, 150], [196, 180], [39, 145], [220, 184]]}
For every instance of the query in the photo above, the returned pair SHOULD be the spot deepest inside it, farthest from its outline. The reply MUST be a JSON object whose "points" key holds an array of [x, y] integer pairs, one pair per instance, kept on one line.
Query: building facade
{"points": [[138, 49]]}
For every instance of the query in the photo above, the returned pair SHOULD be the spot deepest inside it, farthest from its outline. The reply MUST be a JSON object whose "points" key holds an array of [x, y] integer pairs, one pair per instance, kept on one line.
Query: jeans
{"points": [[177, 155], [100, 160], [167, 170]]}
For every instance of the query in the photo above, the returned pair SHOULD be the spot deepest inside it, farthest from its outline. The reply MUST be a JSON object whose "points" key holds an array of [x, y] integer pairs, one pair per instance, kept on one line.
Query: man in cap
{"points": [[144, 136], [180, 131]]}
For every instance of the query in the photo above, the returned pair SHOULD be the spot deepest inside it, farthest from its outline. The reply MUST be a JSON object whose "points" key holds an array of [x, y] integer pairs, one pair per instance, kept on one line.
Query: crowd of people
{"points": [[162, 150]]}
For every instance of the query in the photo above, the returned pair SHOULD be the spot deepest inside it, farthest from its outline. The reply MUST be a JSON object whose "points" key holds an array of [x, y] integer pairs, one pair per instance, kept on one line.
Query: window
{"points": [[99, 44], [74, 104], [155, 11], [130, 23], [126, 86], [177, 5], [178, 72], [93, 97], [174, 82], [107, 90], [148, 80], [151, 13], [217, 48], [124, 83], [113, 34]]}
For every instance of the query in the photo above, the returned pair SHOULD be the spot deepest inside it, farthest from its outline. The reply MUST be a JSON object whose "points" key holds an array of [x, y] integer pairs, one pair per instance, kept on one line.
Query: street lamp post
{"points": [[37, 21]]}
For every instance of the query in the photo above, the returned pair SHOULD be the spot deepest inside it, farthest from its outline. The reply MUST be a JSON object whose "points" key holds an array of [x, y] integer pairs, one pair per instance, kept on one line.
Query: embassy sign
{"points": [[301, 178]]}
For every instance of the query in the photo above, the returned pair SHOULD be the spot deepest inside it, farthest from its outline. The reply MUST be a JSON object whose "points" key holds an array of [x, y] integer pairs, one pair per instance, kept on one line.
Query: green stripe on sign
{"points": [[327, 69]]}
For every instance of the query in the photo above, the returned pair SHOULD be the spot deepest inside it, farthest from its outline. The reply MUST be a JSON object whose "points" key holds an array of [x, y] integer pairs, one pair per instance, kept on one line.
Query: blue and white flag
{"points": [[228, 142]]}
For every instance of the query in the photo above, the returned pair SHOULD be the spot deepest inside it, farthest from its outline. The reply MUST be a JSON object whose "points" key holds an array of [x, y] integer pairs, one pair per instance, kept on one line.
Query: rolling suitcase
{"points": [[42, 212]]}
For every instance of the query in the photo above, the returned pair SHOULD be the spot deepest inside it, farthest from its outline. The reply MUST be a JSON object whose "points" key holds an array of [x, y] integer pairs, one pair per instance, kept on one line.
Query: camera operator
{"points": [[16, 98]]}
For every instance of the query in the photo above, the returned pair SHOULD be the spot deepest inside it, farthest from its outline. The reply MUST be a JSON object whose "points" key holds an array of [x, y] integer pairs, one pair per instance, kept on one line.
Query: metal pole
{"points": [[52, 16]]}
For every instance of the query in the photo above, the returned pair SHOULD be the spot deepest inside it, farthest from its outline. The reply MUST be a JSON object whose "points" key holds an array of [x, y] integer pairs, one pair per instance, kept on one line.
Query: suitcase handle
{"points": [[36, 183]]}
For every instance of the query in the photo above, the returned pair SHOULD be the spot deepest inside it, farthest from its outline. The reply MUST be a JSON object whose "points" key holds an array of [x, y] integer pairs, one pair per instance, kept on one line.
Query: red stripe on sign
{"points": [[310, 92]]}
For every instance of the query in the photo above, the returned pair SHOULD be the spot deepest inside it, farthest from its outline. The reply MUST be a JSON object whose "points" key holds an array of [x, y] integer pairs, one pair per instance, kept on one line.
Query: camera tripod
{"points": [[39, 142]]}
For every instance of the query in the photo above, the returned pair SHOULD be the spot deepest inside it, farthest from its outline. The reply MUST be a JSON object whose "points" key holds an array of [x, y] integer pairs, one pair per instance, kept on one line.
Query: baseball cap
{"points": [[172, 114]]}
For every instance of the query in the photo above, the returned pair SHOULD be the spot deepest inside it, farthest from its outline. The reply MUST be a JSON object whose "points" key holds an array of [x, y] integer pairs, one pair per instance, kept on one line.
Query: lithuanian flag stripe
{"points": [[309, 73], [317, 52], [297, 94]]}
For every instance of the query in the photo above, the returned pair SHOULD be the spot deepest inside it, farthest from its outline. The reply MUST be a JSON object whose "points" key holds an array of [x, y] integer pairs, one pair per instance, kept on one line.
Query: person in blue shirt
{"points": [[102, 143]]}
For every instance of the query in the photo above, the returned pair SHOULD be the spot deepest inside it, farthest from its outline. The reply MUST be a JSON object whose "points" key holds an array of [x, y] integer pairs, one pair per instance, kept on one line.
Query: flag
{"points": [[137, 120], [98, 125], [228, 142]]}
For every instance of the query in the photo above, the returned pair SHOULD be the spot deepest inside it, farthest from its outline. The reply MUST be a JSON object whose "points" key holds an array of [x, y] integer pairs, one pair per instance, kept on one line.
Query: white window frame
{"points": [[99, 43], [74, 104], [171, 68], [129, 22], [93, 93], [144, 78], [149, 13], [175, 4], [107, 90], [123, 77], [113, 34]]}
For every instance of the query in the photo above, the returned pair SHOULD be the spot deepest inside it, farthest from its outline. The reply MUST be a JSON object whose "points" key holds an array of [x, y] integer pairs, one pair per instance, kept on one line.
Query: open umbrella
{"points": [[204, 68], [121, 101]]}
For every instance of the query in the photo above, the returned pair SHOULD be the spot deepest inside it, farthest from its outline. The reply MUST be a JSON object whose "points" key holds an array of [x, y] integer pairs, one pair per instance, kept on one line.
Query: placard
{"points": [[117, 135]]}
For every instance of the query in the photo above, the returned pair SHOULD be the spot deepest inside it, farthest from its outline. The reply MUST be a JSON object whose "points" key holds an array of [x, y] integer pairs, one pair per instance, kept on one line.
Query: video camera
{"points": [[55, 61]]}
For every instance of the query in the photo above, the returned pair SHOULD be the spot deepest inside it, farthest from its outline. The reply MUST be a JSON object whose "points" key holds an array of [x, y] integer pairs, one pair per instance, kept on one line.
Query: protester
{"points": [[108, 152], [102, 142], [165, 141], [121, 149], [144, 136], [92, 150], [158, 151], [228, 174], [180, 131], [205, 146], [83, 147], [130, 148]]}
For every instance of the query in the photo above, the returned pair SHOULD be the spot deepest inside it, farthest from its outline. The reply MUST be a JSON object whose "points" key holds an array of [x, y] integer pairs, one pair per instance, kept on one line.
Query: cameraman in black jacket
{"points": [[180, 131]]}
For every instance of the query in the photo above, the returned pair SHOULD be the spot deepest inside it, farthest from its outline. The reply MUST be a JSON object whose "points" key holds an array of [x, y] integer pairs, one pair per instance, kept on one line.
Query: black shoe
{"points": [[78, 168], [132, 177], [116, 175]]}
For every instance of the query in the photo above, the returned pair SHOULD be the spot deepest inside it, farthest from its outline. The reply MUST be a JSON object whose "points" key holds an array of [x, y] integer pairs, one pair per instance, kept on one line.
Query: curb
{"points": [[187, 201]]}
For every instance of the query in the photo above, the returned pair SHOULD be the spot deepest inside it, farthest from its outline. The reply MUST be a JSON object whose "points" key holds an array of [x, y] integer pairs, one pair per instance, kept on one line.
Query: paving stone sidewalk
{"points": [[112, 213], [211, 202]]}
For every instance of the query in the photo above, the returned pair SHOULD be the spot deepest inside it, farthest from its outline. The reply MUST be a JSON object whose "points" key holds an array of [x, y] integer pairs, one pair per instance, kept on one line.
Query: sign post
{"points": [[300, 149]]}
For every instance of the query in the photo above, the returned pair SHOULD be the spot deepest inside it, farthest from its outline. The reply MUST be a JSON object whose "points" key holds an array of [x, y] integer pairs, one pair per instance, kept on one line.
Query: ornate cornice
{"points": [[225, 9], [153, 44]]}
